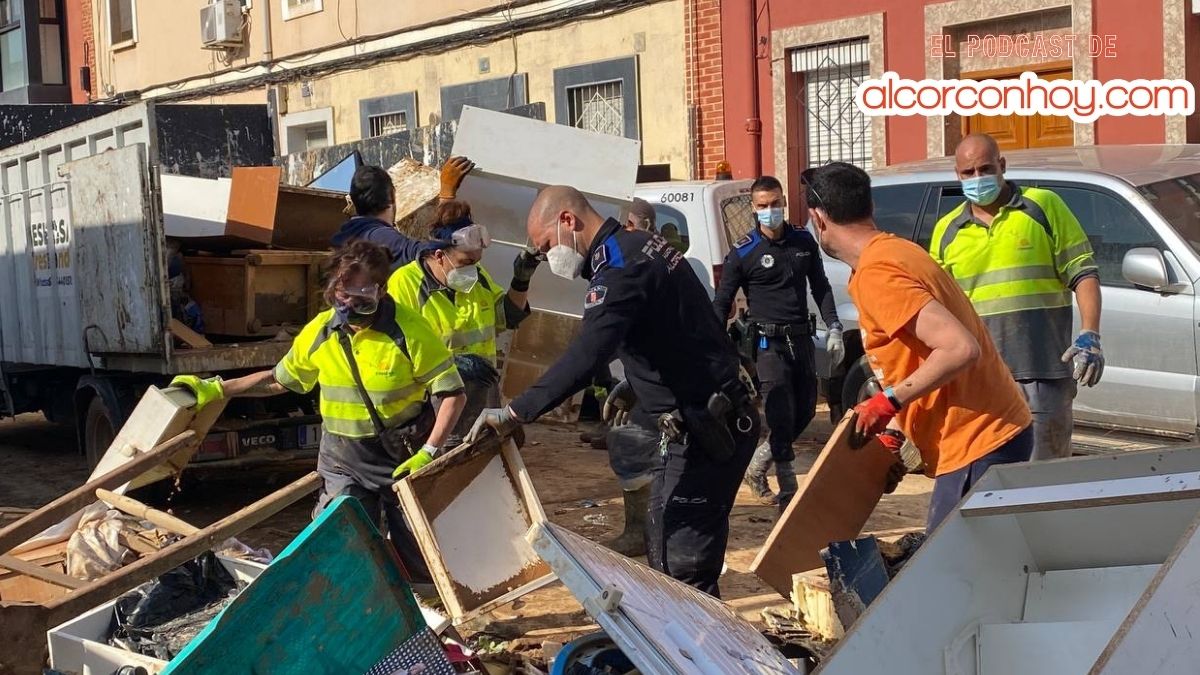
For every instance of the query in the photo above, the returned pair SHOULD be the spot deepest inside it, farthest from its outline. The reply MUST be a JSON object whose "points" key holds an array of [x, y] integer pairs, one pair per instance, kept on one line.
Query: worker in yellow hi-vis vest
{"points": [[1019, 254], [466, 307], [378, 364]]}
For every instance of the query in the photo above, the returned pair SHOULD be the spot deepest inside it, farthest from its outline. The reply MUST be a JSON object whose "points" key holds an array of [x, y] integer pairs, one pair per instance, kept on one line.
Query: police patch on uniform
{"points": [[743, 241], [768, 261], [595, 296], [599, 257]]}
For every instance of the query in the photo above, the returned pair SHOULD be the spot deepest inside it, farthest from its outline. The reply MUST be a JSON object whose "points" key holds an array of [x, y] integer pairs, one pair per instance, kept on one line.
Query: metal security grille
{"points": [[835, 130], [598, 107], [388, 123]]}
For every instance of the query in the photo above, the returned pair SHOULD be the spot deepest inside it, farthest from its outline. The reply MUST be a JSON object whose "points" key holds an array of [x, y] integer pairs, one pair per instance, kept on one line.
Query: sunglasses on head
{"points": [[806, 179]]}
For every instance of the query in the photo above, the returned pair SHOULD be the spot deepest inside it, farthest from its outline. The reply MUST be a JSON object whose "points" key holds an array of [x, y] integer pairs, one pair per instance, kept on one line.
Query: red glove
{"points": [[874, 415], [892, 440]]}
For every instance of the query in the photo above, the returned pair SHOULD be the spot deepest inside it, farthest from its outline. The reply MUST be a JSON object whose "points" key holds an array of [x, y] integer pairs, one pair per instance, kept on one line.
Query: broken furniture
{"points": [[1086, 565], [264, 212], [470, 510], [514, 159], [535, 345], [161, 435], [82, 642], [833, 504], [333, 601], [257, 293], [664, 626]]}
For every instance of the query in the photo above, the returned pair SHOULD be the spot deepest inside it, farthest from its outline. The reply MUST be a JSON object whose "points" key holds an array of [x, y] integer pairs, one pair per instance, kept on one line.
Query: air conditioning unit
{"points": [[221, 24]]}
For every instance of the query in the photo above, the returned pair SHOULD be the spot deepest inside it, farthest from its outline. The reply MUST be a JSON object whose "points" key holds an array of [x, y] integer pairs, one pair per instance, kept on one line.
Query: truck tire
{"points": [[99, 430], [855, 384]]}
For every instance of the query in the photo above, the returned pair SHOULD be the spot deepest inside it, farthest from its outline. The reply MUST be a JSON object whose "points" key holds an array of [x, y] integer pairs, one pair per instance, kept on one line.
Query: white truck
{"points": [[84, 298]]}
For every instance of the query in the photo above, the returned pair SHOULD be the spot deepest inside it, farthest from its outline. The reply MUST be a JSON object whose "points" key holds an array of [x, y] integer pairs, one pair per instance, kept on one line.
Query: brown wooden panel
{"points": [[1010, 131], [1048, 131], [839, 494]]}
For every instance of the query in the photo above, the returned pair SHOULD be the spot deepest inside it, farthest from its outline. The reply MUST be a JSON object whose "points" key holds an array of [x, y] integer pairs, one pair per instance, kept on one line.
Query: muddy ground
{"points": [[574, 482]]}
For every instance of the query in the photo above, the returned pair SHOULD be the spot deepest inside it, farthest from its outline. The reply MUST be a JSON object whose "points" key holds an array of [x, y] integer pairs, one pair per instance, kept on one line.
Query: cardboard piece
{"points": [[333, 601], [514, 159], [470, 510], [664, 626], [833, 504]]}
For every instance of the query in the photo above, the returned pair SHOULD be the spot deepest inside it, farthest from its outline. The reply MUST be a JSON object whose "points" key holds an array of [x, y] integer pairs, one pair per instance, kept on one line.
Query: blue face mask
{"points": [[771, 218], [981, 190]]}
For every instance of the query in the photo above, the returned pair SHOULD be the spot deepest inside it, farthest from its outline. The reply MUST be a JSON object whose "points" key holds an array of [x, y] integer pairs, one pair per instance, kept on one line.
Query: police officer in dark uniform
{"points": [[646, 306], [773, 265]]}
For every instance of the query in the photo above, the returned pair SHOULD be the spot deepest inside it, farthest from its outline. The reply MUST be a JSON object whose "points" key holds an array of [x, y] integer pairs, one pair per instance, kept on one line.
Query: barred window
{"points": [[388, 123], [835, 129], [598, 107]]}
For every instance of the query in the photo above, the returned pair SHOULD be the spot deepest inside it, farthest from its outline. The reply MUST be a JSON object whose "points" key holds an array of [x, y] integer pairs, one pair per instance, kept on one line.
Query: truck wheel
{"points": [[98, 431], [856, 386]]}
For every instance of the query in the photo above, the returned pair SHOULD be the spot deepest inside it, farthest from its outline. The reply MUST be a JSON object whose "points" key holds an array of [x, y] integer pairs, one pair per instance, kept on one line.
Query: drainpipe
{"points": [[268, 51], [754, 123]]}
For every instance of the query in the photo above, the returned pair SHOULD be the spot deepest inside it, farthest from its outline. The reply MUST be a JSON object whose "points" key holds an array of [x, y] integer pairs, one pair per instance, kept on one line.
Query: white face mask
{"points": [[564, 260], [462, 279]]}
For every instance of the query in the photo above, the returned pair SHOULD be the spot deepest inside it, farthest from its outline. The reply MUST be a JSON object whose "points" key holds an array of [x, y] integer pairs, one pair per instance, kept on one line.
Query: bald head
{"points": [[557, 211], [978, 155]]}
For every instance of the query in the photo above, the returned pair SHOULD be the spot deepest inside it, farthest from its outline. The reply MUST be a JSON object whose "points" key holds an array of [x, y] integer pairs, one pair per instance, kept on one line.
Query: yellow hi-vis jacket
{"points": [[1019, 273], [467, 323], [399, 357]]}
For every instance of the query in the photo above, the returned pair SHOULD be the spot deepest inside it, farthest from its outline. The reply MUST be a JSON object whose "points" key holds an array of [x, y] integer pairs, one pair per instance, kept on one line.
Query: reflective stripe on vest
{"points": [[467, 323]]}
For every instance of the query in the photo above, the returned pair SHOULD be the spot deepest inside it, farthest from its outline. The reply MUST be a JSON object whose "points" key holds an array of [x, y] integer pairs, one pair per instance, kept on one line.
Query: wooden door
{"points": [[1017, 132]]}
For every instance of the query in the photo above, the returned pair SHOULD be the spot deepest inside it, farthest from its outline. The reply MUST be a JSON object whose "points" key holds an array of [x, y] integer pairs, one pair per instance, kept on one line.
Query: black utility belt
{"points": [[775, 330]]}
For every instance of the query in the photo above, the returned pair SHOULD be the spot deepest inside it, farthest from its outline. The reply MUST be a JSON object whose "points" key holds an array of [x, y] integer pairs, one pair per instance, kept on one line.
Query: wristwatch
{"points": [[891, 397]]}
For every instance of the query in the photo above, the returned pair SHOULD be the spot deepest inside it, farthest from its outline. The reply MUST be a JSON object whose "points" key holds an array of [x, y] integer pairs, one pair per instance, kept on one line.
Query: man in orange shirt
{"points": [[944, 382]]}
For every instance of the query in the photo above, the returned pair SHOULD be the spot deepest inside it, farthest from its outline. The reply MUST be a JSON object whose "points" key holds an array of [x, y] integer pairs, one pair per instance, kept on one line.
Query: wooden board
{"points": [[334, 601], [1159, 635], [189, 337], [1134, 490], [837, 497], [1085, 594], [536, 344], [459, 488]]}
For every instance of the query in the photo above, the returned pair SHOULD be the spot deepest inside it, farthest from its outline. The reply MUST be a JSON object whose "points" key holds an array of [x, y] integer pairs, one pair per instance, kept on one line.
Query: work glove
{"points": [[618, 404], [893, 440], [205, 391], [500, 420], [524, 265], [835, 347], [415, 463], [870, 418], [1086, 358], [453, 172]]}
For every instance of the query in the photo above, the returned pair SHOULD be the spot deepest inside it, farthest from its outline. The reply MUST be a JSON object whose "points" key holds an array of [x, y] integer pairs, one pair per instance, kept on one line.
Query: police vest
{"points": [[400, 359], [466, 322], [1027, 259]]}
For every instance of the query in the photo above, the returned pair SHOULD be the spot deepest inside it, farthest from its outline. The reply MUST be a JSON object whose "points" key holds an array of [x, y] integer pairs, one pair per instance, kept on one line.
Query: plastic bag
{"points": [[160, 617]]}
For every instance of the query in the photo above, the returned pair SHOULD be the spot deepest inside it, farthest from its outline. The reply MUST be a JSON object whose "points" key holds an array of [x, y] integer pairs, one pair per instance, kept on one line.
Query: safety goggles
{"points": [[471, 238]]}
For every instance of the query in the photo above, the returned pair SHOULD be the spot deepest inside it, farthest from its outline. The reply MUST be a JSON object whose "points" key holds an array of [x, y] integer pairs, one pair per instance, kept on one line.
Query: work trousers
{"points": [[688, 525], [362, 468], [789, 390], [1051, 402], [633, 451], [950, 488]]}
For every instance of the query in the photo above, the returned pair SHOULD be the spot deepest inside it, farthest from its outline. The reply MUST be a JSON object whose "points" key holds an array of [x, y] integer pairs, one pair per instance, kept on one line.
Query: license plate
{"points": [[309, 436]]}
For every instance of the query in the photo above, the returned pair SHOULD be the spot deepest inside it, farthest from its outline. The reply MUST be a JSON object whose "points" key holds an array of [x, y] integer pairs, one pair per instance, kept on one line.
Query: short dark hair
{"points": [[766, 184], [371, 190], [842, 190]]}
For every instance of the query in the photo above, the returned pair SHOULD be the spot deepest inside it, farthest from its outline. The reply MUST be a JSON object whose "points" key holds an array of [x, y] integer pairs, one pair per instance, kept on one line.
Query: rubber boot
{"points": [[756, 476], [632, 541], [785, 473]]}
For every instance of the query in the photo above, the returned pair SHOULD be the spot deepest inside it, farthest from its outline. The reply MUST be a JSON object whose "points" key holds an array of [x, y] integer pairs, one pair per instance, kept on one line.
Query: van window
{"points": [[942, 200], [1111, 224], [738, 216], [672, 225], [897, 208]]}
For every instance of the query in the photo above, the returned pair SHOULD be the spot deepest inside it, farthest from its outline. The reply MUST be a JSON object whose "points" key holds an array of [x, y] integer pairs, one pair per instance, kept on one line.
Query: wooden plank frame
{"points": [[427, 493]]}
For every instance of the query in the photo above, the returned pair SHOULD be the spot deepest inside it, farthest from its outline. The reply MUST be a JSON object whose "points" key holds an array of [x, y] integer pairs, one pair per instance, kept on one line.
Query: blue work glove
{"points": [[617, 405], [500, 420], [1086, 358], [205, 391], [835, 347], [415, 463], [524, 265]]}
